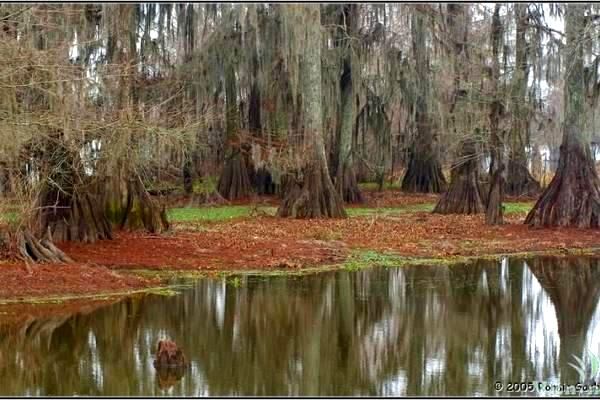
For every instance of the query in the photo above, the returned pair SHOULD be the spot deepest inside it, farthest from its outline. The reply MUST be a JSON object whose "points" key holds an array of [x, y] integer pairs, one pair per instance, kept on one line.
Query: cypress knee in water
{"points": [[168, 355]]}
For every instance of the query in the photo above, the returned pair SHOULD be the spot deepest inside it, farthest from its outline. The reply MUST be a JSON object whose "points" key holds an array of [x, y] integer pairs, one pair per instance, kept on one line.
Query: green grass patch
{"points": [[518, 207], [211, 214], [368, 258], [509, 208], [9, 217]]}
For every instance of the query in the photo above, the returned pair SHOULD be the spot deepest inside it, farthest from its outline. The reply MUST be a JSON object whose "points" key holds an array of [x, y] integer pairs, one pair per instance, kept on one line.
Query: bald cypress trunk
{"points": [[127, 204], [234, 182], [519, 180], [424, 172], [346, 182], [493, 211], [573, 196], [463, 196], [312, 195]]}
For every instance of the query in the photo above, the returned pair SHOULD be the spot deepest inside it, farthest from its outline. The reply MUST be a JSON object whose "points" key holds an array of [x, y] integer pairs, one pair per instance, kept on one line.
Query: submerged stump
{"points": [[170, 363], [169, 355]]}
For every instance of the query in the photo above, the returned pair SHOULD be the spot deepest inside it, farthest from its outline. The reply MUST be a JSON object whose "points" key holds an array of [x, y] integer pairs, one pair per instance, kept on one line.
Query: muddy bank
{"points": [[61, 280]]}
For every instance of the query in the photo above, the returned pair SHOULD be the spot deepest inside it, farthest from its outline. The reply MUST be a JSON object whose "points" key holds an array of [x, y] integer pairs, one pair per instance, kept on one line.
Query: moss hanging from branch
{"points": [[424, 172], [519, 180], [312, 196], [234, 182], [346, 182], [494, 208]]}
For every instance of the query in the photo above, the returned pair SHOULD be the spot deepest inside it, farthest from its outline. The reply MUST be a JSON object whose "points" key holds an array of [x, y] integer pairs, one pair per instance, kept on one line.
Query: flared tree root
{"points": [[234, 182], [142, 211], [463, 195], [347, 186], [36, 250], [83, 219], [494, 213], [311, 197], [519, 181], [423, 176], [573, 196]]}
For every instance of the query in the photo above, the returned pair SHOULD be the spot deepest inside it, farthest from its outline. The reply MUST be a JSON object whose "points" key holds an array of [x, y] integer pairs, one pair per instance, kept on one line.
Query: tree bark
{"points": [[313, 196], [424, 172], [346, 182], [234, 182], [573, 196], [142, 211], [493, 211], [463, 195], [519, 180]]}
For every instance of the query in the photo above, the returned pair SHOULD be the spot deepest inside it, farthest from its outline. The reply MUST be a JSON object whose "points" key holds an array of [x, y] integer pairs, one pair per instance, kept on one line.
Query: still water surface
{"points": [[378, 331]]}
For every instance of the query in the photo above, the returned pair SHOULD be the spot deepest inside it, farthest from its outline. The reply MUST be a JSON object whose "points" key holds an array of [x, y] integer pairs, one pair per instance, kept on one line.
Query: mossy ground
{"points": [[215, 214], [224, 213]]}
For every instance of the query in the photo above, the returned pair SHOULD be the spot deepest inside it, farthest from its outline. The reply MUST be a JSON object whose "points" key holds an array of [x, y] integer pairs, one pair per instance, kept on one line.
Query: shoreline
{"points": [[390, 229], [157, 280]]}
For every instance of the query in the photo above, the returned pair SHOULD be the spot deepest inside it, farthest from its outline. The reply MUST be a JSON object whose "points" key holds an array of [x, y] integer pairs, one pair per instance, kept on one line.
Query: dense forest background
{"points": [[106, 110]]}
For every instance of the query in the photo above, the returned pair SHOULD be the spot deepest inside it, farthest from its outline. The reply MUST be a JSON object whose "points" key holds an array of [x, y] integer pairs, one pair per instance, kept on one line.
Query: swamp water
{"points": [[378, 331]]}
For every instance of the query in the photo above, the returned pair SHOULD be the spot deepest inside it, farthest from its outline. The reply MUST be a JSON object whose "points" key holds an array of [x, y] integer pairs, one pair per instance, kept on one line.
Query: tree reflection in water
{"points": [[402, 331]]}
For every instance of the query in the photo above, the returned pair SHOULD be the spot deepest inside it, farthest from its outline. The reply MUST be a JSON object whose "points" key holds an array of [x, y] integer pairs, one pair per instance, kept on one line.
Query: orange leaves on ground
{"points": [[269, 242]]}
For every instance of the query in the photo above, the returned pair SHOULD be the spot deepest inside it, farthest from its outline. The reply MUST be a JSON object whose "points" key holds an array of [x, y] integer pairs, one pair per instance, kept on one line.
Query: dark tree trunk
{"points": [[463, 196], [128, 204], [346, 183], [188, 181], [493, 211], [142, 211], [234, 182], [313, 196], [68, 208], [573, 196], [78, 216], [263, 182], [494, 214], [424, 172], [31, 249], [519, 181]]}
